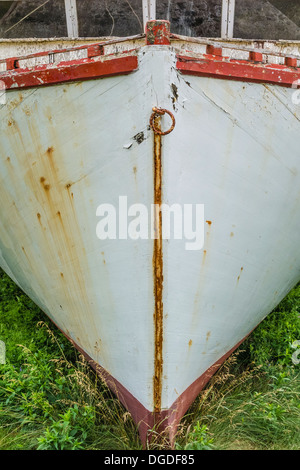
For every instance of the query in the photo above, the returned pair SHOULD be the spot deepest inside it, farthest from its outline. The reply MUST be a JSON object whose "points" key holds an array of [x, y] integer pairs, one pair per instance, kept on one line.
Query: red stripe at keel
{"points": [[165, 421]]}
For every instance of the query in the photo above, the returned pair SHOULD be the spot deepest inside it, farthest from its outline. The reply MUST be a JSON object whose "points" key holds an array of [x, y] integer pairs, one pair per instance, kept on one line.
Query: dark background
{"points": [[255, 19]]}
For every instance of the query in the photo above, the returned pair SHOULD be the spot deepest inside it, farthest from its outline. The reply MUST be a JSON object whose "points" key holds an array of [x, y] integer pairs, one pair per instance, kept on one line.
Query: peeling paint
{"points": [[139, 138]]}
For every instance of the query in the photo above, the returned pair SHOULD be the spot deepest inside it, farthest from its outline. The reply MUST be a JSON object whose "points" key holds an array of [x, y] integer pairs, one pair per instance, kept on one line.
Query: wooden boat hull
{"points": [[155, 318]]}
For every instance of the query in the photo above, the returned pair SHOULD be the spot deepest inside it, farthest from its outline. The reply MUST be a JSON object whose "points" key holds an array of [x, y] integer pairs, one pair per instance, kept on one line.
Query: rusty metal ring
{"points": [[161, 112]]}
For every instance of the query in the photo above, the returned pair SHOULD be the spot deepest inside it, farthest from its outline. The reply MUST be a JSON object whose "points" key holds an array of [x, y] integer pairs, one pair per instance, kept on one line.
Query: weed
{"points": [[50, 398], [198, 439]]}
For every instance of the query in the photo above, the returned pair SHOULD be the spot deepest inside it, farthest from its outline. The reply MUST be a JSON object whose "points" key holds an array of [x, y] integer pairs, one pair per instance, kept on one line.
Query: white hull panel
{"points": [[71, 138]]}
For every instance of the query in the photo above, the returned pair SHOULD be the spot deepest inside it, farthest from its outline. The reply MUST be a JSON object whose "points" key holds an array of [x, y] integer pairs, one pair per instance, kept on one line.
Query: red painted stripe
{"points": [[166, 421], [239, 70], [83, 69]]}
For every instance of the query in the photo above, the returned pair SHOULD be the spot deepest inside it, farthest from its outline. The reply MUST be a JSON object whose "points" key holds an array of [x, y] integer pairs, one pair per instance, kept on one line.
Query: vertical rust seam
{"points": [[158, 272]]}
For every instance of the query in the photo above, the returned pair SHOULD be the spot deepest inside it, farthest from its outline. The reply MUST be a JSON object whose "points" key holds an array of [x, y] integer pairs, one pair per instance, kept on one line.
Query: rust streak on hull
{"points": [[158, 273]]}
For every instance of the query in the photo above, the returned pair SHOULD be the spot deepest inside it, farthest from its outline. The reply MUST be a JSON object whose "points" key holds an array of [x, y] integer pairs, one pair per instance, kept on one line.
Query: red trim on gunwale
{"points": [[210, 65], [82, 69], [241, 70]]}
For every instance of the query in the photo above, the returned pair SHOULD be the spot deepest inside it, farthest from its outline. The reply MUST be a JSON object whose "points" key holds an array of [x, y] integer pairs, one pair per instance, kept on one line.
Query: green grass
{"points": [[51, 399], [253, 402]]}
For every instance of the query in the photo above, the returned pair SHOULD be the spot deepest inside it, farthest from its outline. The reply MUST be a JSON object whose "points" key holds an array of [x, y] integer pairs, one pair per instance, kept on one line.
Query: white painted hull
{"points": [[65, 150], [235, 149]]}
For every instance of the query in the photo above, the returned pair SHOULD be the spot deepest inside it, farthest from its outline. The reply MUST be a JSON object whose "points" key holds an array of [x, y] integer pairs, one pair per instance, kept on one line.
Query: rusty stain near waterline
{"points": [[174, 90], [59, 232], [239, 276], [158, 273]]}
